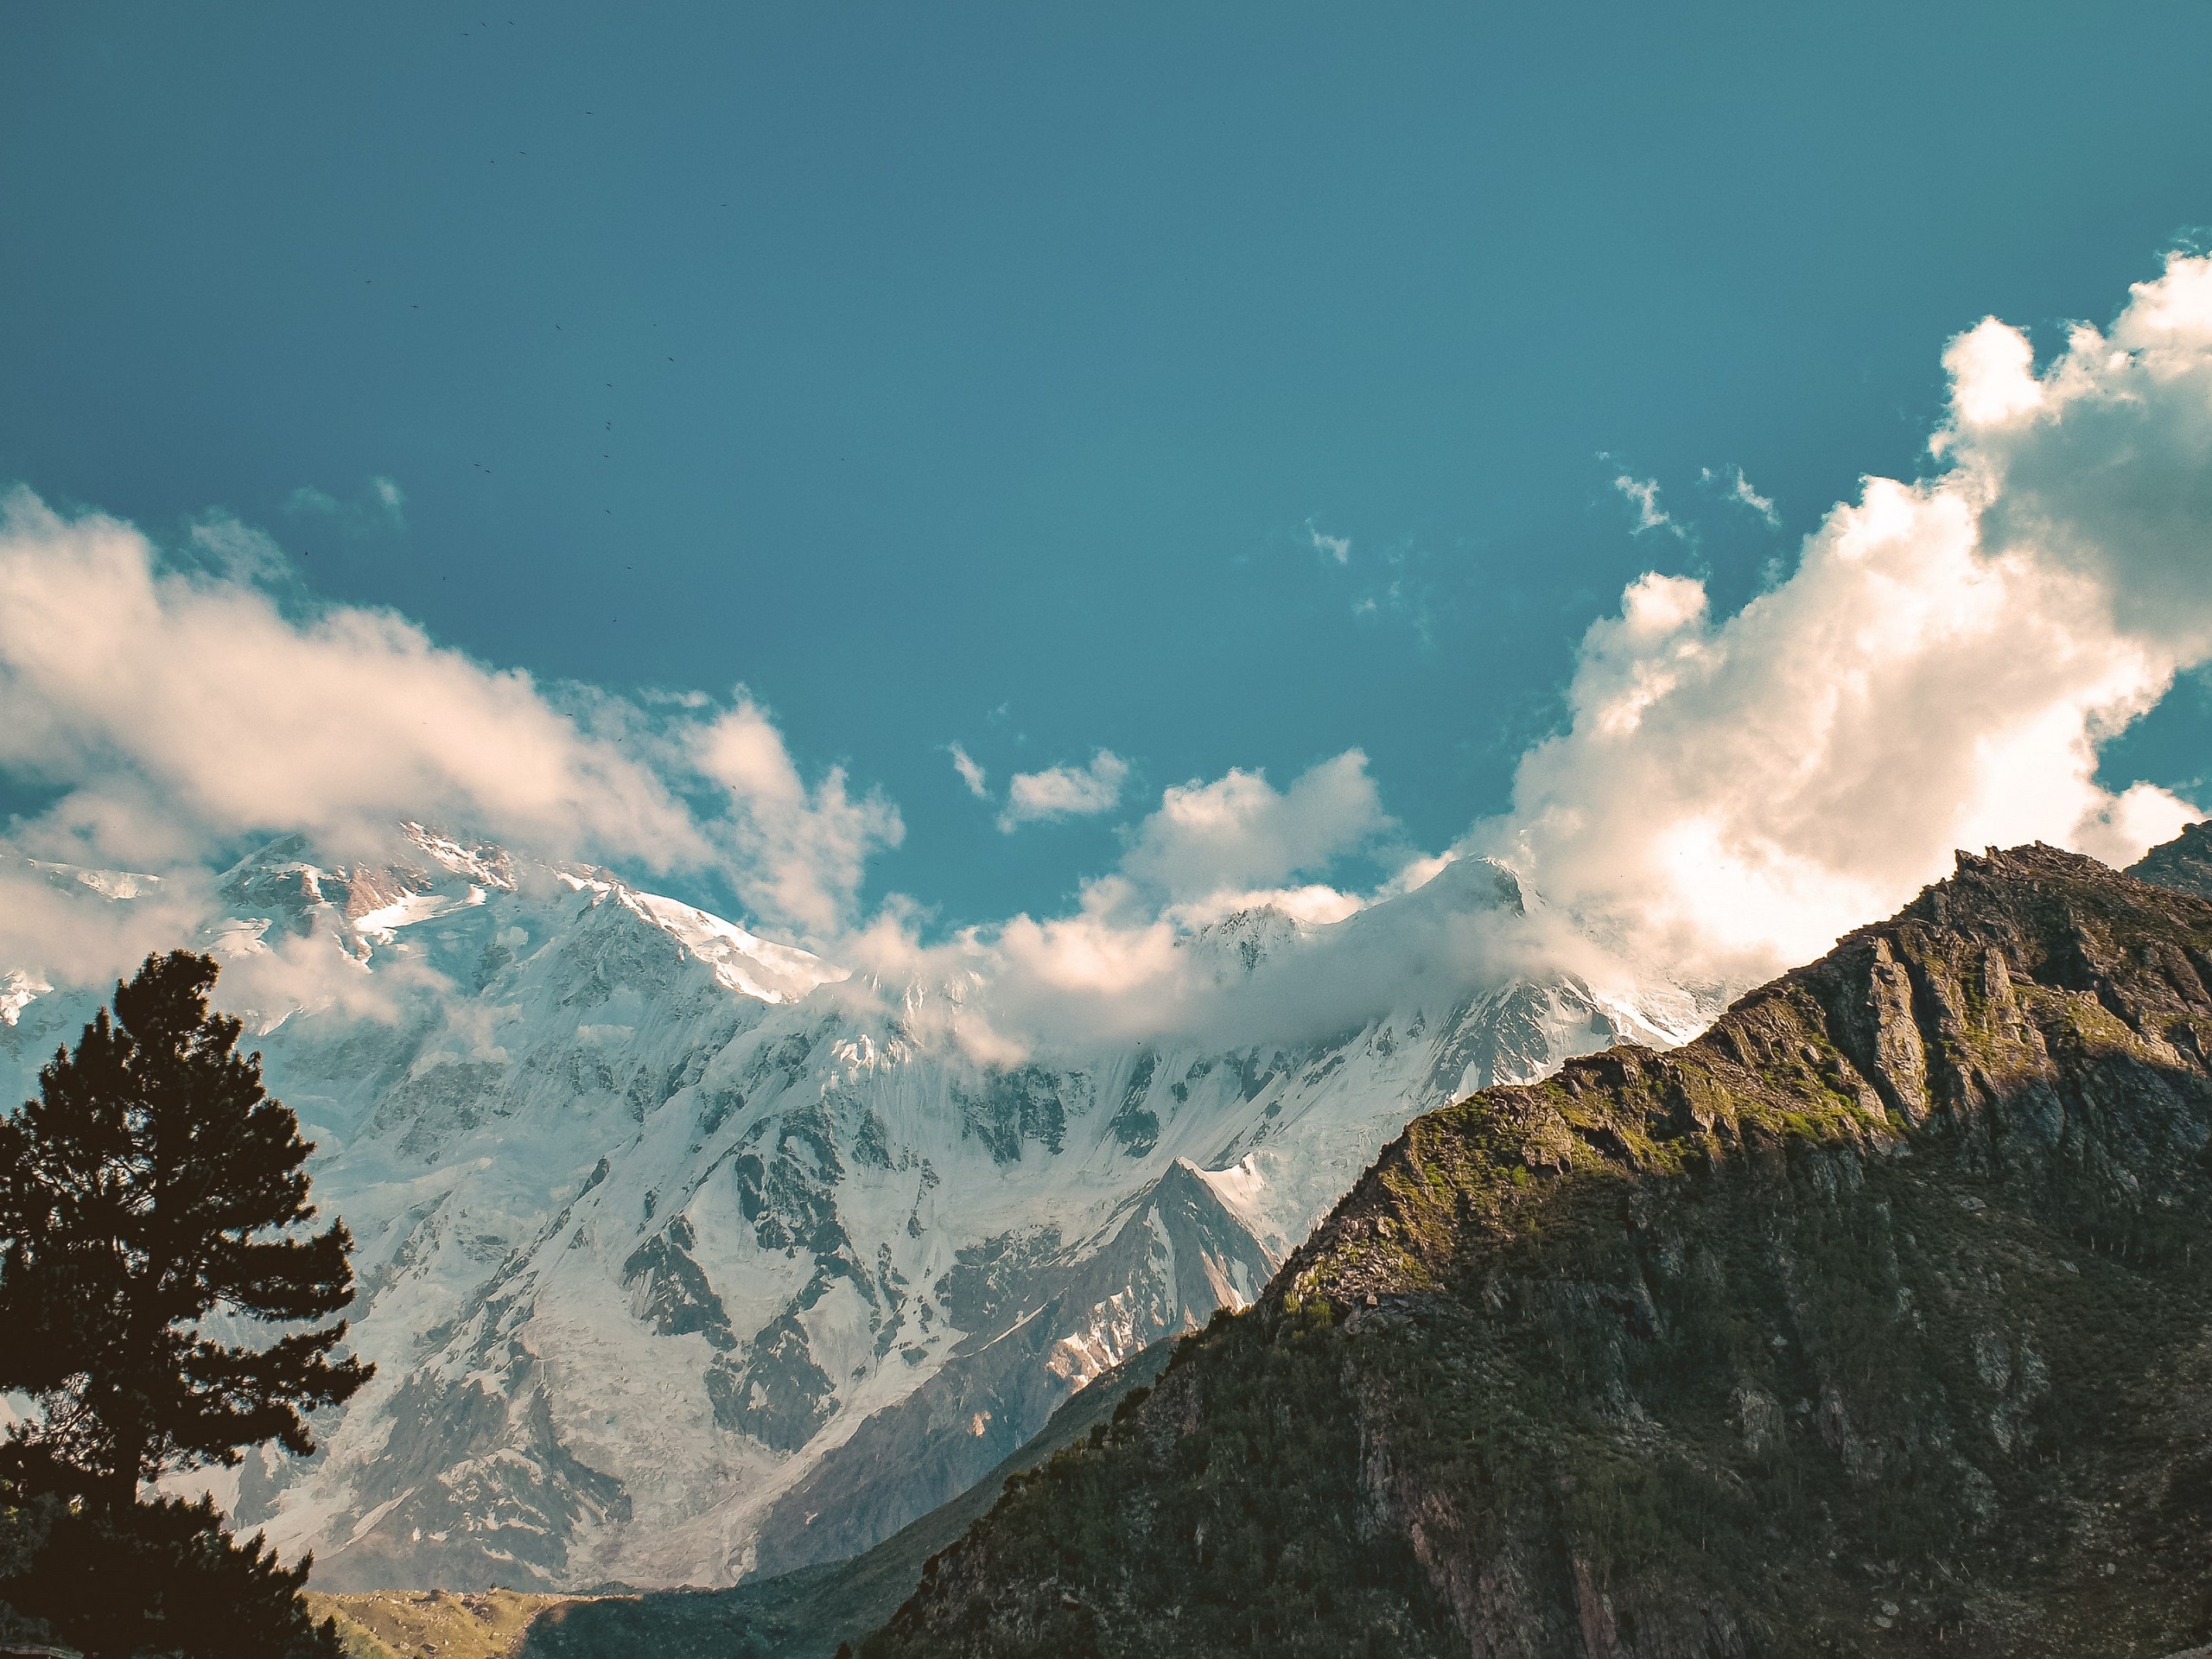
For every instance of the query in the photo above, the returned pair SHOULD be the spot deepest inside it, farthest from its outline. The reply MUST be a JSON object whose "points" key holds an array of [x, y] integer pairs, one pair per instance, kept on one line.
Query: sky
{"points": [[910, 469]]}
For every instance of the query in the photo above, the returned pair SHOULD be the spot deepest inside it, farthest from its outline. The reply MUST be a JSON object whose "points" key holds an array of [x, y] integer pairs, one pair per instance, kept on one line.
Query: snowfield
{"points": [[685, 1254]]}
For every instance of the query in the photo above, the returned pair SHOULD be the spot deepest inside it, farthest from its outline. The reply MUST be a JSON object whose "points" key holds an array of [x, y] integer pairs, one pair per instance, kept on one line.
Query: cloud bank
{"points": [[176, 712], [1729, 793], [1733, 793]]}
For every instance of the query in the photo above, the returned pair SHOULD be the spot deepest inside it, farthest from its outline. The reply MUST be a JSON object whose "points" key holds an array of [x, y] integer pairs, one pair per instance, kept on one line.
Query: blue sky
{"points": [[1010, 376]]}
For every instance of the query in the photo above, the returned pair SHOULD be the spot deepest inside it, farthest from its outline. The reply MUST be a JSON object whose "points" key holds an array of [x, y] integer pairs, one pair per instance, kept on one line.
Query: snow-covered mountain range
{"points": [[685, 1256]]}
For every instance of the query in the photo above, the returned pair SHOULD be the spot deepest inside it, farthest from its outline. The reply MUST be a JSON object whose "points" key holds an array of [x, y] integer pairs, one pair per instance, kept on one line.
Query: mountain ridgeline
{"points": [[688, 1257], [1871, 1321]]}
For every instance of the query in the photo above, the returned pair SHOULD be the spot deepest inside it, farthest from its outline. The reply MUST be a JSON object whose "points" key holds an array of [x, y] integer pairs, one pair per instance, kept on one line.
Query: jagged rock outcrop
{"points": [[2184, 863], [1871, 1321]]}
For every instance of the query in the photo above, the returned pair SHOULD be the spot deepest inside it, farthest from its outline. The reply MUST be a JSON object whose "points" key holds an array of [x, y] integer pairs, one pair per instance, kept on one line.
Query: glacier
{"points": [[685, 1256]]}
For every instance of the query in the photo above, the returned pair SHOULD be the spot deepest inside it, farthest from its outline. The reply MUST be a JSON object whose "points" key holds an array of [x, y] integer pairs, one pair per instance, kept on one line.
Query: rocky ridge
{"points": [[1869, 1322]]}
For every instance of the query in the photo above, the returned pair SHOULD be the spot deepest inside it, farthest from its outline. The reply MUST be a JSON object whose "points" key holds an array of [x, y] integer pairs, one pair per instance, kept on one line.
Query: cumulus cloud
{"points": [[1118, 970], [800, 852], [1730, 793], [179, 710], [1064, 791], [185, 704], [971, 773], [1937, 673], [1130, 960], [176, 707], [1239, 832], [2102, 466]]}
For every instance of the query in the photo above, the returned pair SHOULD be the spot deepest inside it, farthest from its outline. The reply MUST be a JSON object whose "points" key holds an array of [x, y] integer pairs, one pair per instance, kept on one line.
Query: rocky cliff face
{"points": [[1870, 1322], [2183, 864], [684, 1257]]}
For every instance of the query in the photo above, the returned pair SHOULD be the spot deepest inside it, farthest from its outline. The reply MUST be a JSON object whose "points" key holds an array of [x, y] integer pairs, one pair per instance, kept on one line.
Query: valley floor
{"points": [[404, 1623]]}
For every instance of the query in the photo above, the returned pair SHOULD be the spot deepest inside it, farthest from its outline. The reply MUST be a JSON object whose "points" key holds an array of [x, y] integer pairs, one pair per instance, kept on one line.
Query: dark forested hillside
{"points": [[1870, 1322]]}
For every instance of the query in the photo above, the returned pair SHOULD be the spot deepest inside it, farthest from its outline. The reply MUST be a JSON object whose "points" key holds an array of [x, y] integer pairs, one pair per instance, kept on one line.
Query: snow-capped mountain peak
{"points": [[676, 1265]]}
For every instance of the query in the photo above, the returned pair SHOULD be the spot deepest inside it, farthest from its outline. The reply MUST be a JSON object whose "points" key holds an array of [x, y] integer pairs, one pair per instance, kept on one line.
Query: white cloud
{"points": [[1992, 375], [382, 505], [1239, 832], [178, 712], [1938, 673], [237, 552], [1120, 970], [2106, 470], [1732, 792], [1066, 791], [1329, 547], [1118, 967], [197, 700], [1734, 487], [798, 854], [50, 927], [391, 498], [1643, 493], [971, 773]]}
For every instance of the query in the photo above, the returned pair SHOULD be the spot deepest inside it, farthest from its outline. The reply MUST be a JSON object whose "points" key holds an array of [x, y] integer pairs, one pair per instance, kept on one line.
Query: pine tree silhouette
{"points": [[151, 1184]]}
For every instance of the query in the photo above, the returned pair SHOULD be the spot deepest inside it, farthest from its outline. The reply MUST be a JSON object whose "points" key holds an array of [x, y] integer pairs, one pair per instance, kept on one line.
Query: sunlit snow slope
{"points": [[683, 1256]]}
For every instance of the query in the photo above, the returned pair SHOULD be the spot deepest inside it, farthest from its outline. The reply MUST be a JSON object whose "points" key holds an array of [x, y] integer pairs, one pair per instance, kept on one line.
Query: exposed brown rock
{"points": [[1878, 1320]]}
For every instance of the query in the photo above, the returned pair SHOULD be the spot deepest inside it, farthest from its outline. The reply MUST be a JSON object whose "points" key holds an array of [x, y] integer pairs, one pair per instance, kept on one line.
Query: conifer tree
{"points": [[152, 1199]]}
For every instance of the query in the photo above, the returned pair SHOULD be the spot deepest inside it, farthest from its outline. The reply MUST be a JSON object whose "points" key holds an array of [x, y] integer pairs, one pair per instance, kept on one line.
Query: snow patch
{"points": [[18, 990]]}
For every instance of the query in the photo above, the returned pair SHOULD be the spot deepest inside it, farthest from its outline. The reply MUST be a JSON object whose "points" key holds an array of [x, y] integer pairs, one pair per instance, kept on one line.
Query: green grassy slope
{"points": [[405, 1624], [1871, 1322]]}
